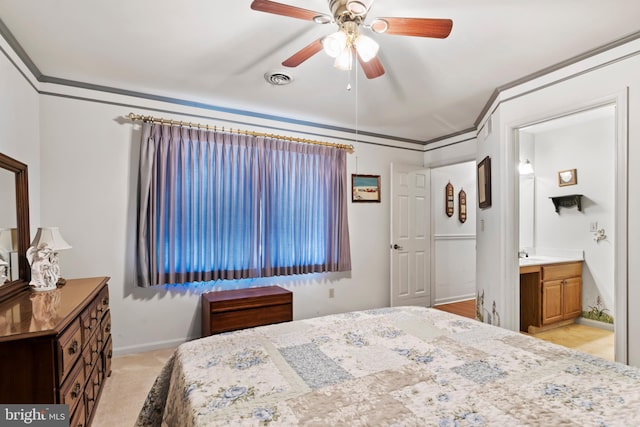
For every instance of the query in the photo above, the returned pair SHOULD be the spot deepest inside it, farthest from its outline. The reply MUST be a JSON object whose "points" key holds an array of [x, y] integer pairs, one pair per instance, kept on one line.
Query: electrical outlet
{"points": [[593, 226], [331, 293]]}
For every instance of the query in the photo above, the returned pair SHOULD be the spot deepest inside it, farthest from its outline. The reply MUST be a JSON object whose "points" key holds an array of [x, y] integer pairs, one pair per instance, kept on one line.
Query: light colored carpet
{"points": [[125, 390]]}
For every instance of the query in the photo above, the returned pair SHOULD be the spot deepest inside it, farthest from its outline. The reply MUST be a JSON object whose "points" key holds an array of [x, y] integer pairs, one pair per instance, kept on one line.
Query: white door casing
{"points": [[410, 236]]}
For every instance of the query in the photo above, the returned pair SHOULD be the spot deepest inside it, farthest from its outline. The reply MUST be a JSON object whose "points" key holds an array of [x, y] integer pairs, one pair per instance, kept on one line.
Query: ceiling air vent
{"points": [[278, 78]]}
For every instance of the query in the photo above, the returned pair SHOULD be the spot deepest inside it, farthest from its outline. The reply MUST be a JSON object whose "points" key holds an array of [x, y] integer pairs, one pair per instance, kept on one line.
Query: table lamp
{"points": [[43, 258]]}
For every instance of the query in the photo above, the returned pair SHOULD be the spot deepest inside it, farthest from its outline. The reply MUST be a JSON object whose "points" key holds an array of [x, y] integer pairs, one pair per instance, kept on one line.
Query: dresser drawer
{"points": [[90, 319], [561, 271], [103, 301], [107, 356], [94, 385], [105, 328], [70, 348], [71, 391], [233, 320], [78, 418], [90, 354]]}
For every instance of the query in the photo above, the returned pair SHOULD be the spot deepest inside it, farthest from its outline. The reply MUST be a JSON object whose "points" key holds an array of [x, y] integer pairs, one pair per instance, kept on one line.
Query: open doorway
{"points": [[567, 218]]}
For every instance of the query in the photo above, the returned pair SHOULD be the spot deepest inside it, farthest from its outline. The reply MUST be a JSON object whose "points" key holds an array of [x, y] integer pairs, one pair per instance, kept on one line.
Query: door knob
{"points": [[397, 247]]}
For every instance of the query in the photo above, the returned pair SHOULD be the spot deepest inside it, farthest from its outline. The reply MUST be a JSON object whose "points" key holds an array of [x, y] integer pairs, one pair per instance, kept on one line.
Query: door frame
{"points": [[621, 281]]}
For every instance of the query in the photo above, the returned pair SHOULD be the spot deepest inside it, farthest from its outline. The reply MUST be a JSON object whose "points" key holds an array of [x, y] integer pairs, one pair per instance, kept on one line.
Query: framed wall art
{"points": [[484, 183], [365, 188], [568, 177]]}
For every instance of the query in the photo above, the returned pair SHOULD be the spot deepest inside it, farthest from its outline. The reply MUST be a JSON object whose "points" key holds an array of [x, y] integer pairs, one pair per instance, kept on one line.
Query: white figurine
{"points": [[44, 269]]}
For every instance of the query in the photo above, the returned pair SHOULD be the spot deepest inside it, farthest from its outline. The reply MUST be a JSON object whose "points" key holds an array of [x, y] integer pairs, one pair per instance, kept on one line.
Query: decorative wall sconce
{"points": [[449, 200], [525, 168], [462, 206]]}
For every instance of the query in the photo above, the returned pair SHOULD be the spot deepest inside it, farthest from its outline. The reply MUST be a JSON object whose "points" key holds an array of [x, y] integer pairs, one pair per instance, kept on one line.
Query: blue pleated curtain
{"points": [[217, 205]]}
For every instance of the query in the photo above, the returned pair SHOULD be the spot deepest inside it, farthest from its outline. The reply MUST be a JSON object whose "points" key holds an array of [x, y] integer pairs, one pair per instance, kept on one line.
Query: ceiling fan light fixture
{"points": [[322, 19], [357, 7], [335, 43], [379, 26], [367, 48], [344, 61]]}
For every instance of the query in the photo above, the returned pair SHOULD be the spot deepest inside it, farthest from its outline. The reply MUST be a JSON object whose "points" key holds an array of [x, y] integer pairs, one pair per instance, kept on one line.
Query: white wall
{"points": [[613, 76], [453, 269], [588, 147], [89, 181], [19, 129]]}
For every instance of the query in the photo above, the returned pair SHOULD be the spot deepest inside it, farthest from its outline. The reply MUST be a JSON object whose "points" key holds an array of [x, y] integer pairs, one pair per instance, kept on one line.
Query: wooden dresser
{"points": [[225, 311], [55, 347]]}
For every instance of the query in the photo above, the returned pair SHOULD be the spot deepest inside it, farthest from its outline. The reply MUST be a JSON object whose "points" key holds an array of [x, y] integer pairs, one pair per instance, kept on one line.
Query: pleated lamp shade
{"points": [[52, 237]]}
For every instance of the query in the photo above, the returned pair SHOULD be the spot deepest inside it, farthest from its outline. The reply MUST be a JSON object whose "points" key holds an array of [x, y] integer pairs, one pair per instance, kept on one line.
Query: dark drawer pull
{"points": [[105, 301], [108, 327], [73, 349], [76, 391], [110, 354]]}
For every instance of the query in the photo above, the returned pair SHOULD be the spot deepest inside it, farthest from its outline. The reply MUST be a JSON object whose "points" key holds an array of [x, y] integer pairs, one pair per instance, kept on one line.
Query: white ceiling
{"points": [[216, 52]]}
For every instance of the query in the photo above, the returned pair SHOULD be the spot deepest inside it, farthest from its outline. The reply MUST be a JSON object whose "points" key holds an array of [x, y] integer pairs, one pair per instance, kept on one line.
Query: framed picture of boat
{"points": [[365, 188]]}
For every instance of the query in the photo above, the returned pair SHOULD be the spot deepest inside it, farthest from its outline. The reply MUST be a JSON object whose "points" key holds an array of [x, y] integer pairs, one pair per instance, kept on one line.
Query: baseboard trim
{"points": [[158, 345], [458, 298], [595, 324]]}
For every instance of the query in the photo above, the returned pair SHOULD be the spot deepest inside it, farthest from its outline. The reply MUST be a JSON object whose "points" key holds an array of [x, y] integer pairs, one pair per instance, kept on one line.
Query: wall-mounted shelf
{"points": [[567, 201]]}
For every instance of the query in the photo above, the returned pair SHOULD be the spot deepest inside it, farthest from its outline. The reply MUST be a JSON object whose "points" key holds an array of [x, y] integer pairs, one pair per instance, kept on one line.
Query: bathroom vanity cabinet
{"points": [[550, 295]]}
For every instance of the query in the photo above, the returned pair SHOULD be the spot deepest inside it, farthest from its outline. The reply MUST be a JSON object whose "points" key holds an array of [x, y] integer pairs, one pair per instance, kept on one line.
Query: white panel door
{"points": [[410, 236]]}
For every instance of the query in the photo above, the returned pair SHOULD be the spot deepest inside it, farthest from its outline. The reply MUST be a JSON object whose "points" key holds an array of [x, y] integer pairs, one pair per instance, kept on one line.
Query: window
{"points": [[216, 205]]}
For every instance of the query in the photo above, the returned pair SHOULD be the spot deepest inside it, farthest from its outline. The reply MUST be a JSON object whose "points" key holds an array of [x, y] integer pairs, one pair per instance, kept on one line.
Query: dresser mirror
{"points": [[14, 227]]}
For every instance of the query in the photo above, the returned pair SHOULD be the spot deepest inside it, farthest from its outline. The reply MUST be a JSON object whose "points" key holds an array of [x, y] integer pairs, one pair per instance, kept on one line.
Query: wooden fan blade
{"points": [[303, 54], [373, 68], [419, 27], [283, 9]]}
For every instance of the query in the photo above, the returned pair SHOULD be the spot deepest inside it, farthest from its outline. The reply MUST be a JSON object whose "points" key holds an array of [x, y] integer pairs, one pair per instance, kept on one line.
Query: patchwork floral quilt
{"points": [[405, 366]]}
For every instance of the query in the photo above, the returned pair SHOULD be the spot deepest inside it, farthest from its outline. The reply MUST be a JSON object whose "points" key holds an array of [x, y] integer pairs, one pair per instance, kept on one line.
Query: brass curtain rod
{"points": [[151, 119]]}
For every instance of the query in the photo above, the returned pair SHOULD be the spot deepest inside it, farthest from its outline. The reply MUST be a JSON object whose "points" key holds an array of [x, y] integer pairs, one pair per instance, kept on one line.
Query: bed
{"points": [[402, 366]]}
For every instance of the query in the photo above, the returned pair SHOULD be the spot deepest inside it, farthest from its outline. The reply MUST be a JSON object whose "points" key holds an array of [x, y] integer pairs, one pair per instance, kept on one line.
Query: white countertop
{"points": [[542, 260]]}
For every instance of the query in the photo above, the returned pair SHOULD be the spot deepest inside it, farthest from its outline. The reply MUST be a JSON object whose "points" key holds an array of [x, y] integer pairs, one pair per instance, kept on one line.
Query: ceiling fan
{"points": [[348, 41]]}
